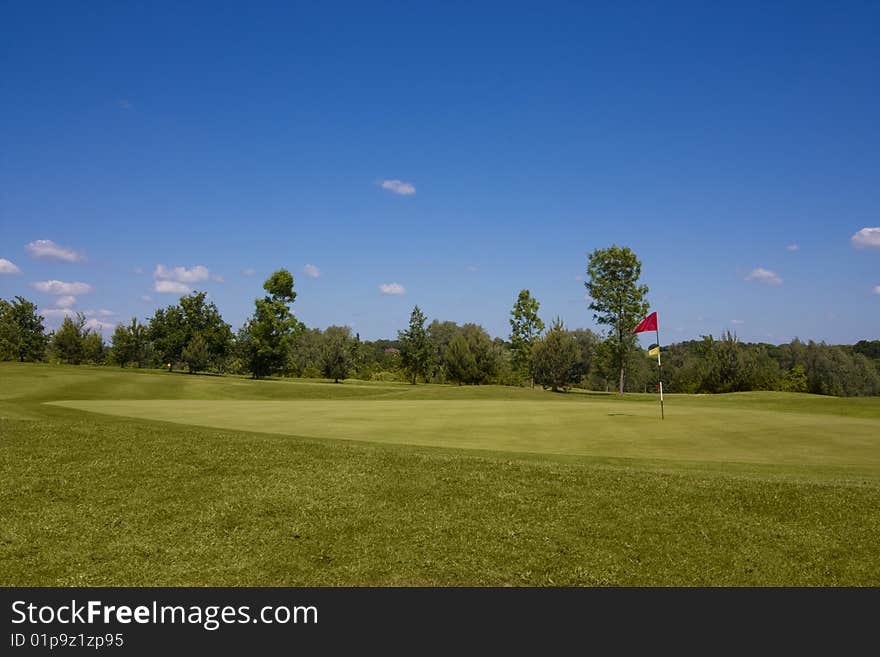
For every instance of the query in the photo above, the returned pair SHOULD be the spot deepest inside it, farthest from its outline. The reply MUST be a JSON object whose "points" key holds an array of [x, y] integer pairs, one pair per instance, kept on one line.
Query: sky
{"points": [[446, 155]]}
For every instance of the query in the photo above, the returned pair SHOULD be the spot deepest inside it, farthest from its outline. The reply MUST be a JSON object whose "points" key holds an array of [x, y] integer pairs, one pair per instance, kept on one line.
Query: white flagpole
{"points": [[660, 371]]}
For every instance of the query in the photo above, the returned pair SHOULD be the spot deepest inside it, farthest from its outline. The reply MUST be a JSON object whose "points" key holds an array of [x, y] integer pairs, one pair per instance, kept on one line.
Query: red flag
{"points": [[647, 324]]}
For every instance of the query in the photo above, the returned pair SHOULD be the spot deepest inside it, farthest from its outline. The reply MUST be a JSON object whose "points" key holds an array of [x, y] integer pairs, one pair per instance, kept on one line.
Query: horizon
{"points": [[392, 160]]}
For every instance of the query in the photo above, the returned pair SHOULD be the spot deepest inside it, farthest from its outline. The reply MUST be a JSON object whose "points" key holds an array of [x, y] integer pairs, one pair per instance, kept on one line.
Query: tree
{"points": [[174, 328], [196, 353], [485, 353], [67, 341], [121, 346], [555, 358], [22, 335], [525, 327], [618, 301], [795, 380], [168, 334], [587, 342], [460, 362], [130, 343], [305, 354], [415, 349], [440, 335], [93, 347], [201, 319], [266, 339], [336, 353]]}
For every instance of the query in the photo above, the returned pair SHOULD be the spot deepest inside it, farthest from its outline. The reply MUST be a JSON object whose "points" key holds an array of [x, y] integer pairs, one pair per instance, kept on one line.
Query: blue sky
{"points": [[735, 149]]}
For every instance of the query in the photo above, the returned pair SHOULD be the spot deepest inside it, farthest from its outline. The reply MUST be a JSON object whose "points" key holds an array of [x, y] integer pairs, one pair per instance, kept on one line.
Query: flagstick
{"points": [[660, 373]]}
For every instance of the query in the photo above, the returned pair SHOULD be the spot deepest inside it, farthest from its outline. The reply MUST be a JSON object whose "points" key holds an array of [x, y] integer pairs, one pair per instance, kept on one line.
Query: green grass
{"points": [[150, 478]]}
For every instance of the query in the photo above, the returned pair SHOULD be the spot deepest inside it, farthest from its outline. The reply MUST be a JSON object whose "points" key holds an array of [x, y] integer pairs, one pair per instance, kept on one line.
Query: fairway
{"points": [[590, 427], [120, 477]]}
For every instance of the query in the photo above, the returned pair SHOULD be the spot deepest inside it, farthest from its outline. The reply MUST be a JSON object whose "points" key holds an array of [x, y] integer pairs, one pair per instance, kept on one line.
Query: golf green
{"points": [[593, 428]]}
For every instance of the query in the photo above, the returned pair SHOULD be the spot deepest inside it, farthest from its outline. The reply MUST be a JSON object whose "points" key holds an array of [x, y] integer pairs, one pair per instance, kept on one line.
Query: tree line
{"points": [[192, 336]]}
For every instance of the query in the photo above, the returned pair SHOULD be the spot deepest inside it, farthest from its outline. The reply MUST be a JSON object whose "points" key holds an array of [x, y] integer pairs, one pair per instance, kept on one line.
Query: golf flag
{"points": [[650, 324], [647, 324]]}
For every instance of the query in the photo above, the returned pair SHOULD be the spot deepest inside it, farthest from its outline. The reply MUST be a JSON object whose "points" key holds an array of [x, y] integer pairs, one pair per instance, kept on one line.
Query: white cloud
{"points": [[48, 249], [147, 298], [399, 187], [392, 288], [764, 276], [103, 312], [175, 280], [793, 247], [182, 274], [138, 270], [737, 321], [311, 271], [58, 312], [171, 287], [98, 325], [472, 268], [867, 238], [61, 288], [877, 289], [8, 267], [248, 271], [65, 301]]}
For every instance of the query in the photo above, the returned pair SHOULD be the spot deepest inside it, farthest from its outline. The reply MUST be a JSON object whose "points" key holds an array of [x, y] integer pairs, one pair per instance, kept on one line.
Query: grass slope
{"points": [[96, 499]]}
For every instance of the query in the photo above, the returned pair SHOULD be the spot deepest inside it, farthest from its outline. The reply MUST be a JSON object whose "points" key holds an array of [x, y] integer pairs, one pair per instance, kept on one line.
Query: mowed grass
{"points": [[591, 427], [150, 478]]}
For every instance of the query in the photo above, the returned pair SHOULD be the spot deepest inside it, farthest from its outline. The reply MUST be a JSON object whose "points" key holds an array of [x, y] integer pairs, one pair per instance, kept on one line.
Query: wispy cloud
{"points": [[311, 271], [472, 268], [103, 312], [877, 289], [737, 322], [8, 267], [171, 287], [61, 288], [392, 288], [764, 276], [57, 312], [65, 301], [147, 298], [98, 325], [867, 238], [184, 275], [51, 250], [248, 271], [399, 187], [124, 103], [579, 277], [793, 247]]}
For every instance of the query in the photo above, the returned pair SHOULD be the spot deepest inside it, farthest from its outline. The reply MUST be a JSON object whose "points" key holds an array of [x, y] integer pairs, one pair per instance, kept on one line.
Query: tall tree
{"points": [[168, 334], [556, 357], [68, 341], [617, 298], [22, 335], [525, 327], [485, 353], [415, 349], [174, 328], [459, 361], [440, 334], [337, 352], [267, 337], [207, 337], [129, 343]]}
